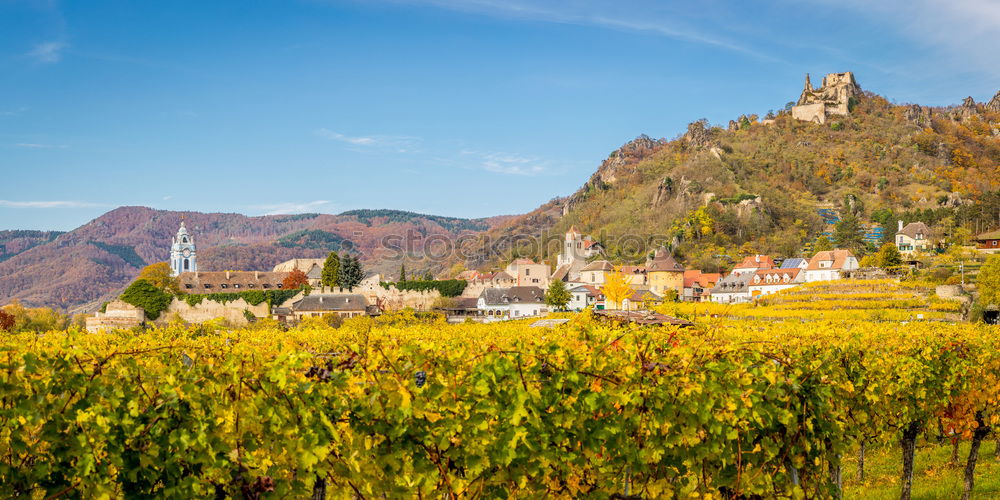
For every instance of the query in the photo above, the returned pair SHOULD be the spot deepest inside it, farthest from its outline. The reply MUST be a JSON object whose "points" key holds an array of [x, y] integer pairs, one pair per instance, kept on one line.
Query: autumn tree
{"points": [[988, 281], [557, 295], [617, 288], [161, 276], [351, 273], [153, 300], [330, 276], [888, 256], [6, 321], [295, 280], [823, 244]]}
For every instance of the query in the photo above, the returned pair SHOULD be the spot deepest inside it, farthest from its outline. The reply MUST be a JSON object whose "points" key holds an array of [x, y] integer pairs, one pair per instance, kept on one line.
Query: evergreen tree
{"points": [[849, 234], [331, 270], [557, 295], [428, 276], [351, 273], [402, 272]]}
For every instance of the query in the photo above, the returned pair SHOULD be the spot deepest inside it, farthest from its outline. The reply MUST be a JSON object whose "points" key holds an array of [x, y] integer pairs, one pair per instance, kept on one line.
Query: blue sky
{"points": [[466, 108]]}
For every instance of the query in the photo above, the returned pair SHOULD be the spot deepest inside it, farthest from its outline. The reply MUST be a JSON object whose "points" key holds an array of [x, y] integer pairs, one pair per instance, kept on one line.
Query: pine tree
{"points": [[402, 272], [849, 234], [351, 273], [557, 295], [331, 270]]}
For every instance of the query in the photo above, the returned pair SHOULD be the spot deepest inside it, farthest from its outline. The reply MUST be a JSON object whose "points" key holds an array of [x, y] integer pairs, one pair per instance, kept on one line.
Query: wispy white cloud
{"points": [[397, 143], [656, 18], [510, 164], [48, 52], [13, 112], [337, 136], [293, 207], [168, 198], [35, 145], [49, 204], [957, 34]]}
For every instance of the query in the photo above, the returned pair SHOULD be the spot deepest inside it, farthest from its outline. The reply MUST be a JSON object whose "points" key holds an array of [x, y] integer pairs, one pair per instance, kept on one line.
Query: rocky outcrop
{"points": [[917, 115], [697, 133], [622, 161], [994, 104]]}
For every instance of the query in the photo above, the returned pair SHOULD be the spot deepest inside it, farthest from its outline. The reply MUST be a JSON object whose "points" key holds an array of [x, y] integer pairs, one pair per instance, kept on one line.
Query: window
{"points": [[184, 239], [251, 285], [207, 285], [236, 285], [527, 272], [278, 285], [265, 285], [224, 285], [189, 285], [187, 264]]}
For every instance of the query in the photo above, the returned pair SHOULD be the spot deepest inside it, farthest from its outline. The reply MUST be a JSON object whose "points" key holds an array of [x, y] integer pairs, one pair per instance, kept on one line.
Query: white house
{"points": [[512, 303], [828, 265], [913, 238], [768, 281], [582, 296], [734, 288]]}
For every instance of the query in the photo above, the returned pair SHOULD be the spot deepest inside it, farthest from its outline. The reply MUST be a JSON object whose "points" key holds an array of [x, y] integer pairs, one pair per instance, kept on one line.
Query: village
{"points": [[581, 278]]}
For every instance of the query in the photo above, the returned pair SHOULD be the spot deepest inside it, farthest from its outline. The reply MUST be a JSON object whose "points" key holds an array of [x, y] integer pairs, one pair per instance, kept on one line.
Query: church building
{"points": [[182, 253]]}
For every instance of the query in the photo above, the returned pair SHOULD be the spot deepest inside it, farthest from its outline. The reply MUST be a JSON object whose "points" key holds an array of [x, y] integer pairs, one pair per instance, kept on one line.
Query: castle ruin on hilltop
{"points": [[833, 98]]}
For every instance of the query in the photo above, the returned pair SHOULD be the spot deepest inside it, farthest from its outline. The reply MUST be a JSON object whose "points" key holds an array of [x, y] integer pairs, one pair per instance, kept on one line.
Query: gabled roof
{"points": [[991, 235], [592, 291], [839, 258], [733, 283], [214, 280], [633, 269], [756, 262], [694, 277], [793, 262], [513, 295], [913, 228], [780, 273], [663, 262], [561, 272], [331, 302], [599, 265]]}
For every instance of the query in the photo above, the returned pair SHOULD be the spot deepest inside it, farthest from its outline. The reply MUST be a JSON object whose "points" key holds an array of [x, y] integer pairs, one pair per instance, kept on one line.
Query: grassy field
{"points": [[933, 477]]}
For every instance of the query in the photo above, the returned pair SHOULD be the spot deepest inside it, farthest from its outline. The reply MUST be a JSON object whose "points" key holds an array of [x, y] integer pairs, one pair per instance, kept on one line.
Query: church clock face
{"points": [[187, 253]]}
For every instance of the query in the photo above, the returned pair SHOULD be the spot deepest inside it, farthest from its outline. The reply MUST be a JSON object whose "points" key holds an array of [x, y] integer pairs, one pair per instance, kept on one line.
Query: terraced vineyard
{"points": [[872, 300]]}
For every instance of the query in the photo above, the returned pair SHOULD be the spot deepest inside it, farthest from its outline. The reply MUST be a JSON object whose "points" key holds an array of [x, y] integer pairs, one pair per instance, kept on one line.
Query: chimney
{"points": [[900, 225], [227, 274], [256, 275], [320, 299], [757, 258]]}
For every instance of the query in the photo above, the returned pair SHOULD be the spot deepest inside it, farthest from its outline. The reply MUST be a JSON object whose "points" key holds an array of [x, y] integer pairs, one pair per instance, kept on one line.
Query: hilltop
{"points": [[79, 269], [759, 185]]}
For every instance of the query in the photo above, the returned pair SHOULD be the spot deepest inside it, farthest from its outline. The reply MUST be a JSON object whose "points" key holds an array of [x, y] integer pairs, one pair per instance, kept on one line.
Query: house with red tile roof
{"points": [[768, 281], [829, 264]]}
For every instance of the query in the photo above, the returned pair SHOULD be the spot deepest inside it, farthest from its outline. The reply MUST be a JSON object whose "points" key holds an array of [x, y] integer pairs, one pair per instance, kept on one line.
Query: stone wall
{"points": [[810, 112], [207, 310], [390, 299]]}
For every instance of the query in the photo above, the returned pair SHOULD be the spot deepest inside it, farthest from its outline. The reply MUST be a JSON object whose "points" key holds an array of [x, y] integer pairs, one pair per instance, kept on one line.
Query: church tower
{"points": [[182, 253]]}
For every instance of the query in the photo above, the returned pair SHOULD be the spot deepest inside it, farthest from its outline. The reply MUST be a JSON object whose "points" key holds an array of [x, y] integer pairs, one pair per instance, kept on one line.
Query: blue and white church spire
{"points": [[182, 253]]}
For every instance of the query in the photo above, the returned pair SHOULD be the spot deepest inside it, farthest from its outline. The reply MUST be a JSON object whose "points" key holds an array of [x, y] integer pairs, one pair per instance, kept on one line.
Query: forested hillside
{"points": [[772, 186], [80, 269]]}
